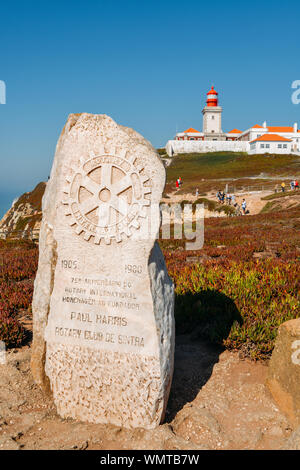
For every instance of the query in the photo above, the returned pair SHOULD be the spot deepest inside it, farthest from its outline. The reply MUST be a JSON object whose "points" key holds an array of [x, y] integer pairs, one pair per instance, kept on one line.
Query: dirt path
{"points": [[218, 401], [253, 199]]}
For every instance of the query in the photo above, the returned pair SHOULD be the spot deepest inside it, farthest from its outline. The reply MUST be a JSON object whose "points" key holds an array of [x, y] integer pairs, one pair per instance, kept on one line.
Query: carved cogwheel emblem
{"points": [[105, 196]]}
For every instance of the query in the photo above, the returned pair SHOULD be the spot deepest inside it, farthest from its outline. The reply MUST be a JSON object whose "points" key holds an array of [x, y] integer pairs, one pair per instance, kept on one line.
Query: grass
{"points": [[276, 201], [280, 195], [202, 170]]}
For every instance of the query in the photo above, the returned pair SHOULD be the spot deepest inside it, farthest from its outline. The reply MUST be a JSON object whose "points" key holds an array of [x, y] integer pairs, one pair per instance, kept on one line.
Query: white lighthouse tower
{"points": [[212, 117]]}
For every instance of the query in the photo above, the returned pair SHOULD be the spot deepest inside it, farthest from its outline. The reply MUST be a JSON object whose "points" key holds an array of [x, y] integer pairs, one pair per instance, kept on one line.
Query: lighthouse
{"points": [[212, 117]]}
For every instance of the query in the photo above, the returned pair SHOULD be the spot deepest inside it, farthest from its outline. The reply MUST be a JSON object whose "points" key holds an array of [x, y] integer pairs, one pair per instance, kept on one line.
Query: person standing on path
{"points": [[244, 206]]}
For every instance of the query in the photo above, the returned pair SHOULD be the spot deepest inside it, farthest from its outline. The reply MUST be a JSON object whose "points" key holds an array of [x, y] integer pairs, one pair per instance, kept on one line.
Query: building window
{"points": [[267, 146], [285, 146], [262, 146], [213, 117], [280, 146]]}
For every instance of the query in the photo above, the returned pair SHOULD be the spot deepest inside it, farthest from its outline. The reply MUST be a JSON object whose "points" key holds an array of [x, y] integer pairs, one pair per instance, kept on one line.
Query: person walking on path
{"points": [[244, 206], [283, 186], [296, 185], [228, 199]]}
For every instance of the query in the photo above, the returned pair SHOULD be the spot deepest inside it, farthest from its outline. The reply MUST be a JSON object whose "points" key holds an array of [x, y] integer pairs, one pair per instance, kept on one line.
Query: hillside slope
{"points": [[23, 219], [209, 172]]}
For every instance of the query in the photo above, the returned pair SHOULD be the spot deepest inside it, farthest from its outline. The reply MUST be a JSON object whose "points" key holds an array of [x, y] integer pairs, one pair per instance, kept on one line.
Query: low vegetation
{"points": [[280, 195], [242, 284], [234, 292], [207, 171], [212, 206], [18, 264]]}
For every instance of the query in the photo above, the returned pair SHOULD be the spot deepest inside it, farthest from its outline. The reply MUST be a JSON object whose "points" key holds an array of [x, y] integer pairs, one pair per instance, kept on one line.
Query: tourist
{"points": [[292, 185], [244, 206], [283, 186], [197, 193], [177, 184], [233, 199], [296, 185]]}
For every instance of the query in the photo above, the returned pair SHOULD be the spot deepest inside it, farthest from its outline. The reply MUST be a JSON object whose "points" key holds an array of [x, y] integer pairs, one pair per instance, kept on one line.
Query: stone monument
{"points": [[103, 304]]}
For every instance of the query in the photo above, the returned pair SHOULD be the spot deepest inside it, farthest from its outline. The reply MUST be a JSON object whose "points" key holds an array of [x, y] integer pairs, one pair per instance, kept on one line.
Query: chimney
{"points": [[296, 127], [265, 125]]}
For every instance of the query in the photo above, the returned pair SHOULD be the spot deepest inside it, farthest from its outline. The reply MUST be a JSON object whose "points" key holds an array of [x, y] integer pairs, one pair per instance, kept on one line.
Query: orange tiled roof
{"points": [[271, 138], [257, 127], [281, 129], [190, 129], [235, 131]]}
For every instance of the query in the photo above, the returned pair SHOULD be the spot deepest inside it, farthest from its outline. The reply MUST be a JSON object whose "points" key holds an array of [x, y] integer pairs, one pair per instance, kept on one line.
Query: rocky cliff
{"points": [[23, 219]]}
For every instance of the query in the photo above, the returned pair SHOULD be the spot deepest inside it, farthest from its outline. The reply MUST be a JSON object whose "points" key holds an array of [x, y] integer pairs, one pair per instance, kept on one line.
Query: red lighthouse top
{"points": [[212, 97]]}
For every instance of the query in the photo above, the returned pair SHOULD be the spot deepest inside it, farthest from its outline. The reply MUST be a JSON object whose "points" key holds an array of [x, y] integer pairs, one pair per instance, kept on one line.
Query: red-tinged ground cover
{"points": [[242, 284], [18, 264], [234, 292]]}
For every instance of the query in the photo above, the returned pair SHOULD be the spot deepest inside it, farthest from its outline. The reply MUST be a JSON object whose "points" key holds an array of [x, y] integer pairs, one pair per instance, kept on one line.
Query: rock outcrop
{"points": [[23, 219], [284, 370]]}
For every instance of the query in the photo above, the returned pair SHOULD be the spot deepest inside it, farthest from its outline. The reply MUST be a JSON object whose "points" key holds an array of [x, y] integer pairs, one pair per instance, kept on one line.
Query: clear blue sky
{"points": [[147, 64]]}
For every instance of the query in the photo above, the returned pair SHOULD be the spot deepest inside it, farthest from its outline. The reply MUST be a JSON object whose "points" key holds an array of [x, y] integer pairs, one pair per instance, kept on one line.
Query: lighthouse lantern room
{"points": [[212, 97], [212, 117]]}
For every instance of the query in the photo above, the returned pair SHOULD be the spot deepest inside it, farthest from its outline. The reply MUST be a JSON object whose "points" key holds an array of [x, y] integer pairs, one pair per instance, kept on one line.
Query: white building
{"points": [[271, 143], [284, 139]]}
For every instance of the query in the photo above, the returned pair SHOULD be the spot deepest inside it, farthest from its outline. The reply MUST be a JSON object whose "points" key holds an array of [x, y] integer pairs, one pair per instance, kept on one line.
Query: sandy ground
{"points": [[217, 401]]}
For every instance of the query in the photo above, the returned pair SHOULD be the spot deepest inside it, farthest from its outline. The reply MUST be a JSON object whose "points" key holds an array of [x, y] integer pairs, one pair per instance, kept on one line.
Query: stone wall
{"points": [[191, 146]]}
